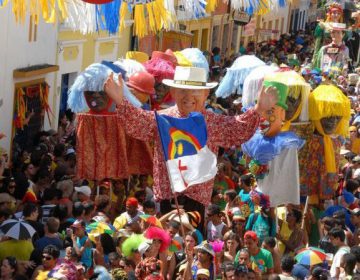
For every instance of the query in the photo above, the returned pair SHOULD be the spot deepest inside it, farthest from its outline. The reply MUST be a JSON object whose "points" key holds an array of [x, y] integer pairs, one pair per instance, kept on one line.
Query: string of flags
{"points": [[147, 16]]}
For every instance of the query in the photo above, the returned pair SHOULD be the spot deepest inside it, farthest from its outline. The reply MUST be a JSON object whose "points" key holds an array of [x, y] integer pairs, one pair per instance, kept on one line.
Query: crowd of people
{"points": [[56, 225]]}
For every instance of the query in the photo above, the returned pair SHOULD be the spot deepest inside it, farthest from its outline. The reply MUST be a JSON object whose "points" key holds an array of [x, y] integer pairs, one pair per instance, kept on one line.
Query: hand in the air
{"points": [[114, 89], [267, 100]]}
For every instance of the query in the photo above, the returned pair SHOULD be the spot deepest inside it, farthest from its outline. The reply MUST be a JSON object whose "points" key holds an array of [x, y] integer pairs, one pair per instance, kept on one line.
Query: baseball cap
{"points": [[84, 190]]}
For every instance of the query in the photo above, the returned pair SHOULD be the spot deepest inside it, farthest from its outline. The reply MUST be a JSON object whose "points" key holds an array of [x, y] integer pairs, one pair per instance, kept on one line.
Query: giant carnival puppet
{"points": [[102, 145], [329, 111], [334, 57], [161, 66], [273, 152], [293, 116], [322, 37]]}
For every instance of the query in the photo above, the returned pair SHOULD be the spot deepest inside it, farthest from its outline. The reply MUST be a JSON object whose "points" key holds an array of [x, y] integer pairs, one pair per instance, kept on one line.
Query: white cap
{"points": [[83, 189]]}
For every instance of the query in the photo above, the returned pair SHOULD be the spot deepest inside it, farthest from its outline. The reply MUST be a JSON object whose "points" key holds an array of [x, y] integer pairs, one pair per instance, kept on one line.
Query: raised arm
{"points": [[138, 123], [228, 131]]}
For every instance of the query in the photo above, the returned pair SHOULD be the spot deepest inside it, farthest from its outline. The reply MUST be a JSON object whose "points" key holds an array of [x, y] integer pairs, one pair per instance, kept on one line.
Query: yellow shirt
{"points": [[285, 232], [20, 249]]}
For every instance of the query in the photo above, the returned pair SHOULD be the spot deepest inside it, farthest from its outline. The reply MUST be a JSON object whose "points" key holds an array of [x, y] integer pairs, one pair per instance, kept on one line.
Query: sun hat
{"points": [[205, 246], [84, 190], [189, 78], [336, 26]]}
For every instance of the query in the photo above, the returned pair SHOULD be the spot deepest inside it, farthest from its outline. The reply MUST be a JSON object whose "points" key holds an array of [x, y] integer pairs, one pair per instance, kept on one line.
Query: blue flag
{"points": [[189, 161]]}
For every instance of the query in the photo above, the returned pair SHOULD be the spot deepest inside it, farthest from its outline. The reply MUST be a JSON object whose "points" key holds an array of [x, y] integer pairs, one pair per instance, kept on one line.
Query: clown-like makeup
{"points": [[272, 121], [330, 124]]}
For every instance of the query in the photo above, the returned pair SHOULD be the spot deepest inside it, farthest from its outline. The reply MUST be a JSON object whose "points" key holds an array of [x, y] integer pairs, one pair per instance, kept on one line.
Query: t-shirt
{"points": [[20, 249], [125, 218], [245, 198], [44, 241], [261, 226], [262, 262], [337, 259]]}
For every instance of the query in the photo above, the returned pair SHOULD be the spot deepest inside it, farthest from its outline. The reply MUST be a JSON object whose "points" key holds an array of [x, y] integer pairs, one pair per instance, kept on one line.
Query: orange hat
{"points": [[132, 201], [143, 82]]}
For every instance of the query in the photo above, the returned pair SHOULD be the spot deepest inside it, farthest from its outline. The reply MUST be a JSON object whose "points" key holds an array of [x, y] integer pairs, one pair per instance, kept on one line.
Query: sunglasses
{"points": [[202, 278], [48, 258]]}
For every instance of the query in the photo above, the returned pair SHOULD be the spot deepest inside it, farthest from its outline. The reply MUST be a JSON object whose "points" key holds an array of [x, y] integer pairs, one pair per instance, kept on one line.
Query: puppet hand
{"points": [[114, 89], [267, 100]]}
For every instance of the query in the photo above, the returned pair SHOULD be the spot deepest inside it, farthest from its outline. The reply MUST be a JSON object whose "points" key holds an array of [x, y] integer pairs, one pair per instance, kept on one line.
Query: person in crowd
{"points": [[337, 238], [51, 236], [347, 264], [83, 193], [243, 257], [261, 259], [291, 237], [131, 215], [203, 260], [31, 215], [287, 265], [50, 256], [50, 200], [261, 222], [232, 244], [270, 244], [216, 228], [81, 243], [8, 268]]}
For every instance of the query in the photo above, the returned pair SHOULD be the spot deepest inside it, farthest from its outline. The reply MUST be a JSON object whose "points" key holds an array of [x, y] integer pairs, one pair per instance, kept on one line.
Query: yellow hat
{"points": [[138, 56]]}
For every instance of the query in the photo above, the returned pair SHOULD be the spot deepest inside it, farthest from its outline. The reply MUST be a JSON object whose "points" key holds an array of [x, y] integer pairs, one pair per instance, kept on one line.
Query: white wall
{"points": [[17, 52]]}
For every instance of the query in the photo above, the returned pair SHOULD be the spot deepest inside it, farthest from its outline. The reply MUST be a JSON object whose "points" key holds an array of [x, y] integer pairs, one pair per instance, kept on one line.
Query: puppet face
{"points": [[293, 104], [335, 15], [98, 101], [336, 36], [272, 121], [330, 124]]}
